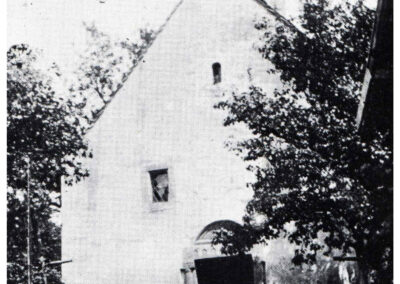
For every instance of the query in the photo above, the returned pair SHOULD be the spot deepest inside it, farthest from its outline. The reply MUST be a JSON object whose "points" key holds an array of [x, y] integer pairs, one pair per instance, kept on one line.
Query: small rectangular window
{"points": [[216, 67], [160, 185]]}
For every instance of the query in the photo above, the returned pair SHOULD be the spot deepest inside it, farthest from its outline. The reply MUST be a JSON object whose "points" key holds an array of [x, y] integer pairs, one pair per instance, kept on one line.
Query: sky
{"points": [[55, 26]]}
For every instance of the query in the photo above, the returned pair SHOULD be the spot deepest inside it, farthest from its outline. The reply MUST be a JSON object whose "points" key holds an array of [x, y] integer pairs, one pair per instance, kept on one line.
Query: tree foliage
{"points": [[323, 271], [41, 126], [45, 237], [320, 176], [44, 138]]}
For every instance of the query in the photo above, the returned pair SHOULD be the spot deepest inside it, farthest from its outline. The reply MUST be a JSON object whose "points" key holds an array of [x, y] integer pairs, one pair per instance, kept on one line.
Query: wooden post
{"points": [[29, 221]]}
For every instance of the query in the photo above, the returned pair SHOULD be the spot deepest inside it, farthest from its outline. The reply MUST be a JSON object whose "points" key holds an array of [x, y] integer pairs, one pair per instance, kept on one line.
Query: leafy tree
{"points": [[321, 176], [45, 133], [45, 237], [45, 139]]}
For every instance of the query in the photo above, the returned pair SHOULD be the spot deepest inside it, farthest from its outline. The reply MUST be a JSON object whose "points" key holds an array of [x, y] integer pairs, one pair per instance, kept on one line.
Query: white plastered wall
{"points": [[164, 118]]}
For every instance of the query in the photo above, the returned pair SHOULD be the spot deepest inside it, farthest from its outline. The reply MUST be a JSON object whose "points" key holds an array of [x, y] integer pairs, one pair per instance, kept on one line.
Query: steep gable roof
{"points": [[157, 32], [262, 3]]}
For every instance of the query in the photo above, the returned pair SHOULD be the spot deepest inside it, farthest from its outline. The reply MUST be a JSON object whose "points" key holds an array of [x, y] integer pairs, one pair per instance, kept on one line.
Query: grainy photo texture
{"points": [[200, 141]]}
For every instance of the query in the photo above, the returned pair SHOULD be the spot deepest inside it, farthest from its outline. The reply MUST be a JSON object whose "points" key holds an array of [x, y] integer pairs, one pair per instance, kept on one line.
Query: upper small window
{"points": [[160, 185], [216, 67]]}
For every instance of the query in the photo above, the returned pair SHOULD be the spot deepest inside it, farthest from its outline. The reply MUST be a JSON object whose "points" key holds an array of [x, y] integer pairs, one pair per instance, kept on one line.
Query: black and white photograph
{"points": [[199, 142]]}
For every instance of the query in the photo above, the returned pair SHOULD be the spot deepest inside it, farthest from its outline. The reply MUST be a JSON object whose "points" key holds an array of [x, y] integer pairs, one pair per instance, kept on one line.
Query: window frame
{"points": [[152, 175], [147, 188]]}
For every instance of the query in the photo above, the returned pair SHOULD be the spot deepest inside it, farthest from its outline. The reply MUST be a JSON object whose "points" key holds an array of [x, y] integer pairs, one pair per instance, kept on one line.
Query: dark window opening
{"points": [[160, 185], [216, 67]]}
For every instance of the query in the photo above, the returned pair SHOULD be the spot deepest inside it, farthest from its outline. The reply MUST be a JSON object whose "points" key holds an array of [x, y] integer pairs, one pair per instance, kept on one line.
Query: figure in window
{"points": [[159, 183]]}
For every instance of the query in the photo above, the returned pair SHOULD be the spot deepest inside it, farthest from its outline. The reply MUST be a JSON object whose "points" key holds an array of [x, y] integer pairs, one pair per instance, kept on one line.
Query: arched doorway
{"points": [[203, 247], [206, 264]]}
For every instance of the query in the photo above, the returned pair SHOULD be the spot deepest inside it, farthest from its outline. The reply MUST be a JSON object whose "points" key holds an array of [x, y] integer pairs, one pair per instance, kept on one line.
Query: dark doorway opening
{"points": [[225, 270]]}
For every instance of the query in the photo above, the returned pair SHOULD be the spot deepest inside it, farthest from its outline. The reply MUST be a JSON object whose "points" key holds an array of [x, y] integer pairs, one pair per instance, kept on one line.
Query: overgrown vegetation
{"points": [[46, 129], [321, 176]]}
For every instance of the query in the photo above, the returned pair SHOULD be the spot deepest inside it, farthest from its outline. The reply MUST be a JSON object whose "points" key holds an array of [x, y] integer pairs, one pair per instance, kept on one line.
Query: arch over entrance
{"points": [[207, 234], [204, 262]]}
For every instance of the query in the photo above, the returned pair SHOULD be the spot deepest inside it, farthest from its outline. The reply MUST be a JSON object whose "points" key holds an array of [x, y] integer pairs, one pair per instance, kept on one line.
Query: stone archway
{"points": [[203, 247], [204, 263]]}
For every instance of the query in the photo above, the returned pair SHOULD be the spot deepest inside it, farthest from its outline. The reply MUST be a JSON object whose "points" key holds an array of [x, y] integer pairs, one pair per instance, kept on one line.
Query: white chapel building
{"points": [[162, 178]]}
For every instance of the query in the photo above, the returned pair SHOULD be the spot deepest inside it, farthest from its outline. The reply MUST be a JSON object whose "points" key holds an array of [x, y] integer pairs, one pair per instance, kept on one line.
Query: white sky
{"points": [[55, 26]]}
